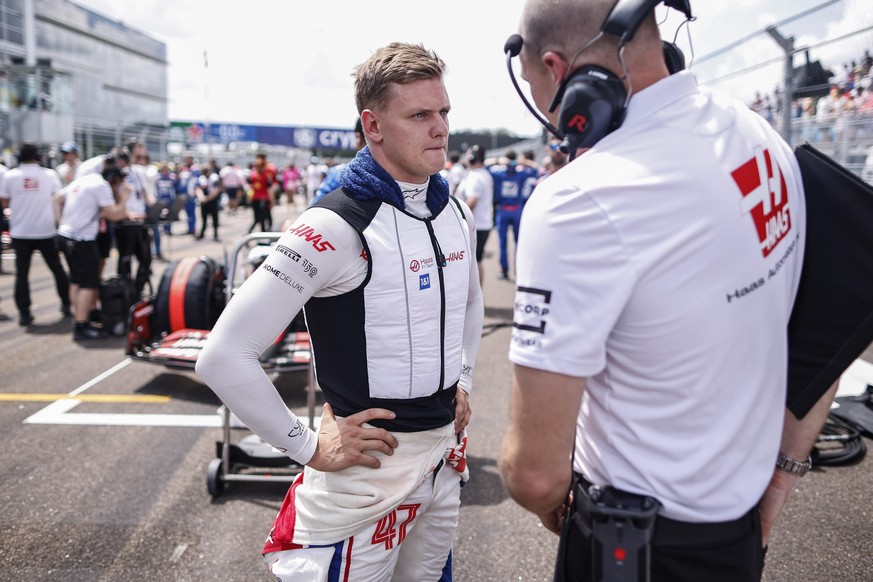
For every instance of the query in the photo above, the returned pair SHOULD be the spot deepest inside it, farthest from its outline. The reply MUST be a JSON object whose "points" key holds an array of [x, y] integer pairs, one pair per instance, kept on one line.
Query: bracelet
{"points": [[793, 467]]}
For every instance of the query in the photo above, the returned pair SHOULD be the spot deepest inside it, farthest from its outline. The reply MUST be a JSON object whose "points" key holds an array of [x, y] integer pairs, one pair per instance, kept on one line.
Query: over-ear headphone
{"points": [[593, 99]]}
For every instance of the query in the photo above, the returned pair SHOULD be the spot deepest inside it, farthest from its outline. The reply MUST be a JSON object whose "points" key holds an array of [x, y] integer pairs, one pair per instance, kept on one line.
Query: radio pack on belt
{"points": [[606, 536]]}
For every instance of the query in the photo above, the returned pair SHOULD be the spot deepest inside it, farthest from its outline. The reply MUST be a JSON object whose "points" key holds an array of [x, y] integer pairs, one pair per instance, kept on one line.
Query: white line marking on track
{"points": [[119, 366], [58, 412], [177, 553], [47, 416], [54, 410]]}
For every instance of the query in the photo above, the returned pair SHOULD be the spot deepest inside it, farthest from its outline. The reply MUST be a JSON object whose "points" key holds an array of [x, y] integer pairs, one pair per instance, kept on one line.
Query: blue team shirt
{"points": [[511, 186]]}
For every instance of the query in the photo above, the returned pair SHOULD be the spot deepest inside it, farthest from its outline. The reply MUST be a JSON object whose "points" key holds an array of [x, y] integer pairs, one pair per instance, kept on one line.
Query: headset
{"points": [[592, 99]]}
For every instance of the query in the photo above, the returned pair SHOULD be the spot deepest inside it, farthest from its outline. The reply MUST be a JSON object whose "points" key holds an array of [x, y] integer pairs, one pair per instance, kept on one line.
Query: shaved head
{"points": [[565, 26]]}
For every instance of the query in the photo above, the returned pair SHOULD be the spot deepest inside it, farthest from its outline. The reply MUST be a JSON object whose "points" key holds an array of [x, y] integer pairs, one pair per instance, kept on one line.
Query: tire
{"points": [[190, 295], [214, 482]]}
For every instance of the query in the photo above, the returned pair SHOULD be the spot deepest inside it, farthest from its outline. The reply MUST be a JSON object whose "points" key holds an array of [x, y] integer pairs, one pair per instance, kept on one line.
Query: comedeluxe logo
{"points": [[765, 197], [307, 232], [284, 277]]}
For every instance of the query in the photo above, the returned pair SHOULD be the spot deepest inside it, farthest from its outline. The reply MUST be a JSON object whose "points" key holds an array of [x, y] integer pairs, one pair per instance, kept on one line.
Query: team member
{"points": [[477, 190], [186, 185], [80, 206], [384, 266], [28, 191], [165, 194], [119, 158], [165, 191], [291, 181], [132, 239], [208, 192], [509, 185], [263, 182], [67, 169], [556, 160], [233, 186], [655, 282]]}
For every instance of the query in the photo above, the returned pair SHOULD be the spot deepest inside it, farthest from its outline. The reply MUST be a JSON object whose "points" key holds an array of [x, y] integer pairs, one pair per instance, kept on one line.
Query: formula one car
{"points": [[171, 327]]}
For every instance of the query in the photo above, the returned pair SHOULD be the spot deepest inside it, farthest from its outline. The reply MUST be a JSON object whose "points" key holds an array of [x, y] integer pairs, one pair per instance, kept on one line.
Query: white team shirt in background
{"points": [[478, 185], [91, 166], [138, 198], [83, 200], [230, 177], [30, 189], [67, 172]]}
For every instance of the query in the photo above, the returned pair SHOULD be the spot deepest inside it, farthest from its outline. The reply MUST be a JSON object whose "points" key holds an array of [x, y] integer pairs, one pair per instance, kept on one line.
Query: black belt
{"points": [[672, 532]]}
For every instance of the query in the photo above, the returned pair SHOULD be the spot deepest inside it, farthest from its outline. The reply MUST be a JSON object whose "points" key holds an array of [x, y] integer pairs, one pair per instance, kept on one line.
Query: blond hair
{"points": [[399, 63]]}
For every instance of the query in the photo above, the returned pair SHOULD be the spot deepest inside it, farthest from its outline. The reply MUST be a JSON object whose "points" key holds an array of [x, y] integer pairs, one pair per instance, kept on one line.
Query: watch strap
{"points": [[792, 467]]}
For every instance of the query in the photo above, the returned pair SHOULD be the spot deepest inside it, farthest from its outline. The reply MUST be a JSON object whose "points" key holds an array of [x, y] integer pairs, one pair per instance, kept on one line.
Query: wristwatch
{"points": [[793, 467]]}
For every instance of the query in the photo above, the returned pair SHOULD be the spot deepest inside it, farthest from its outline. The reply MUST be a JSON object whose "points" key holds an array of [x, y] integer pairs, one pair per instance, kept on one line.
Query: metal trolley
{"points": [[251, 459]]}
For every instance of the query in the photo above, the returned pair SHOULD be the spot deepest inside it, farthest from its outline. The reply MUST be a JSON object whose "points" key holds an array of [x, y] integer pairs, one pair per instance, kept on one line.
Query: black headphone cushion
{"points": [[592, 106], [673, 57]]}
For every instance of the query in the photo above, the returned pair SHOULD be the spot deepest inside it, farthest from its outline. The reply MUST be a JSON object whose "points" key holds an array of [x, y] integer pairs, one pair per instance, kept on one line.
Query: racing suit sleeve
{"points": [[320, 253], [475, 312]]}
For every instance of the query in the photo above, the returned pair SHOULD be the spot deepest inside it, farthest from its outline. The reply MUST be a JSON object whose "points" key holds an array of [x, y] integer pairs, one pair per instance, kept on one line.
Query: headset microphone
{"points": [[512, 48]]}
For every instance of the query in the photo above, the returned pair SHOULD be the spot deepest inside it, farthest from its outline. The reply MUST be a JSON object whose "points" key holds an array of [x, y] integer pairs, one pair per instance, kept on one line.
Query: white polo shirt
{"points": [[663, 269], [478, 186], [29, 189], [84, 198]]}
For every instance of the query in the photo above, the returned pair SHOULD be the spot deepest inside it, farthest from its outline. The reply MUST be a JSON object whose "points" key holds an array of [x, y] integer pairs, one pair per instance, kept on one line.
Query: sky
{"points": [[290, 62]]}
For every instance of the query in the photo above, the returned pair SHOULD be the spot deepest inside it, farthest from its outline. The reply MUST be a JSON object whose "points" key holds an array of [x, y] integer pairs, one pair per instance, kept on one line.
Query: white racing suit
{"points": [[394, 311]]}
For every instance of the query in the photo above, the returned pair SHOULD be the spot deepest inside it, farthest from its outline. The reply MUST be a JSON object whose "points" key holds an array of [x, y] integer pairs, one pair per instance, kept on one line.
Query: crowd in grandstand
{"points": [[844, 113]]}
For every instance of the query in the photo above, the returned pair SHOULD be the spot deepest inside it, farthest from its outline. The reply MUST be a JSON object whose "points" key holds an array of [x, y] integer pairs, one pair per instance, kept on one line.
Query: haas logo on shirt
{"points": [[765, 197], [308, 233]]}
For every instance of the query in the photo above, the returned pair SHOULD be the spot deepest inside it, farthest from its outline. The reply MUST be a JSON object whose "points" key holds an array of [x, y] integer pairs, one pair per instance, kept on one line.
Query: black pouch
{"points": [[65, 245], [606, 536]]}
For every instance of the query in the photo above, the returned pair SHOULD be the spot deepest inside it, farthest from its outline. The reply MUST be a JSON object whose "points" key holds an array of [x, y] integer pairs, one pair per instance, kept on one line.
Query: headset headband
{"points": [[626, 16]]}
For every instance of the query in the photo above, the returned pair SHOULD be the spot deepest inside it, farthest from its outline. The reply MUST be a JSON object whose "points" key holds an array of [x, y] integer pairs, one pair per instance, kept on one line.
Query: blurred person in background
{"points": [[208, 193], [28, 191], [132, 236], [67, 169], [477, 190], [262, 180], [233, 184], [81, 206]]}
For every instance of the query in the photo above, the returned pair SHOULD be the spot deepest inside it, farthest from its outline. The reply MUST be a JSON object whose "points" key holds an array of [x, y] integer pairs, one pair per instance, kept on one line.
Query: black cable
{"points": [[838, 444], [489, 328]]}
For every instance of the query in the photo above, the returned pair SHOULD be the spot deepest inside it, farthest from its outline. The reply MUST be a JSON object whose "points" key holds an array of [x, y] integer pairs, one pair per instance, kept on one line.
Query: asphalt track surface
{"points": [[103, 463]]}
